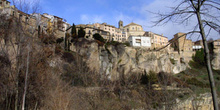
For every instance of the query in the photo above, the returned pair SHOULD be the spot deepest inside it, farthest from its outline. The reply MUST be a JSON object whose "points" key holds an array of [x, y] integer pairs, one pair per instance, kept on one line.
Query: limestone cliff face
{"points": [[203, 102], [114, 61], [216, 60]]}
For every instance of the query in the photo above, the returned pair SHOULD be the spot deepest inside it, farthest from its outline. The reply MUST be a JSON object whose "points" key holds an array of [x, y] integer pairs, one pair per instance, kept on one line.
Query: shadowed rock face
{"points": [[116, 60], [216, 60]]}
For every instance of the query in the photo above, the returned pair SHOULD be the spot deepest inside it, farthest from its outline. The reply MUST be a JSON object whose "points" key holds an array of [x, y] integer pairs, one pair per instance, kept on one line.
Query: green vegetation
{"points": [[172, 61], [149, 79], [73, 31], [197, 78], [199, 57], [81, 32]]}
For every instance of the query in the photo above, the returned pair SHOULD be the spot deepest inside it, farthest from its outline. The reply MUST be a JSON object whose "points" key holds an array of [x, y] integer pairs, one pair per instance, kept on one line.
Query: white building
{"points": [[140, 41]]}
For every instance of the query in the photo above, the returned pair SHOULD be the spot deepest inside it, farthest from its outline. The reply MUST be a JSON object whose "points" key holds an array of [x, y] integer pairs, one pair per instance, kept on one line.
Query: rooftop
{"points": [[132, 24]]}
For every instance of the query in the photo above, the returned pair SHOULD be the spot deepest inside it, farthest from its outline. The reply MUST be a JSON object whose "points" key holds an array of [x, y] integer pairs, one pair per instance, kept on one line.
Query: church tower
{"points": [[120, 24]]}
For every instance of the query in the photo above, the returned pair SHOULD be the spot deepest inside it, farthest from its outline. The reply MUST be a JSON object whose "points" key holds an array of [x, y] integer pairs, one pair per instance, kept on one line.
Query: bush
{"points": [[199, 57], [113, 43], [172, 61], [150, 78], [127, 43], [194, 64], [196, 82], [68, 57], [81, 32]]}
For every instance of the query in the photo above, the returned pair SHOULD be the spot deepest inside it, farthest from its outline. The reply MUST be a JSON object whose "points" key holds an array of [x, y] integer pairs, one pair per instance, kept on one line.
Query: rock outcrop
{"points": [[216, 60], [203, 102], [115, 60]]}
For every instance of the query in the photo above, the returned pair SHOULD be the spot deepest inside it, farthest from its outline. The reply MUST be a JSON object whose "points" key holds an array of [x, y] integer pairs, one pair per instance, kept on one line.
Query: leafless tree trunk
{"points": [[26, 77], [208, 63], [201, 10], [27, 36]]}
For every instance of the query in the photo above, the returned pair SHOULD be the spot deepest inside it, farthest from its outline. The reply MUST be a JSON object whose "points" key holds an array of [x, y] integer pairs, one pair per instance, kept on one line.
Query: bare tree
{"points": [[207, 14], [21, 31]]}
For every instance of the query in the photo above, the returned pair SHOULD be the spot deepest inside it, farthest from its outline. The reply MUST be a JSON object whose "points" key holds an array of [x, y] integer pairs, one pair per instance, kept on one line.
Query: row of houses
{"points": [[132, 33], [43, 23], [50, 24]]}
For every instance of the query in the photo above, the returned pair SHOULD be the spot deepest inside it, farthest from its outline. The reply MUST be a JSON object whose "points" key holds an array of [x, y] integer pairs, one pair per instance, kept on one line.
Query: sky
{"points": [[111, 11]]}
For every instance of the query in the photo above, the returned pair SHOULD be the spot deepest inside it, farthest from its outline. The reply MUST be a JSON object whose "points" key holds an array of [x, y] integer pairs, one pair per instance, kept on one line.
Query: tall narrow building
{"points": [[120, 25]]}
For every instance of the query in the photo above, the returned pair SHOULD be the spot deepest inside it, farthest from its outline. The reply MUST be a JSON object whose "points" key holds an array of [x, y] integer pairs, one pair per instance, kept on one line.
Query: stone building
{"points": [[134, 29], [197, 45], [216, 45], [56, 25], [116, 34], [140, 41], [45, 23], [90, 30], [157, 41], [183, 46]]}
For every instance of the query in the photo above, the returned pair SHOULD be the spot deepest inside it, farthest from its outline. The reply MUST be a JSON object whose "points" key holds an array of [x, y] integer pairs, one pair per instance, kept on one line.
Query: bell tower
{"points": [[120, 24]]}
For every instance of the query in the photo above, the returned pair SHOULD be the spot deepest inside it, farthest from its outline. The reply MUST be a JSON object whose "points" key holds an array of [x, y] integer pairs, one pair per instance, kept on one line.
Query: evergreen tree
{"points": [[199, 57], [81, 32], [73, 31]]}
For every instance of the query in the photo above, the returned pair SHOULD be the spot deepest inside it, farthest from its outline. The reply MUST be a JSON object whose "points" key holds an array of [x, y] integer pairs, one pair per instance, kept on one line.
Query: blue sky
{"points": [[111, 11]]}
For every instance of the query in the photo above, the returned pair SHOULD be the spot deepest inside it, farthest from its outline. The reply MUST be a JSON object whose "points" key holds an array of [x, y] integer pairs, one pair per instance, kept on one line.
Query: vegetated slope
{"points": [[60, 79]]}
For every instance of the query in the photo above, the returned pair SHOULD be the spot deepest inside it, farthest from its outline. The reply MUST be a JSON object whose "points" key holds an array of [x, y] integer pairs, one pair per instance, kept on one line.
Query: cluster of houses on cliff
{"points": [[132, 33]]}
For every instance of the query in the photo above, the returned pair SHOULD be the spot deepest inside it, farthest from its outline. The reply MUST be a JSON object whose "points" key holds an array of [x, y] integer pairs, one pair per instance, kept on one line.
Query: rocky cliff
{"points": [[115, 60], [202, 102], [216, 60]]}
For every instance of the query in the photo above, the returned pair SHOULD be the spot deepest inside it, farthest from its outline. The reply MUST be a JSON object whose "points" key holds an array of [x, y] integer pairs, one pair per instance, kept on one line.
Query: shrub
{"points": [[196, 82], [194, 64], [150, 78], [127, 43], [144, 79], [172, 61], [59, 40], [81, 32], [68, 57], [199, 57]]}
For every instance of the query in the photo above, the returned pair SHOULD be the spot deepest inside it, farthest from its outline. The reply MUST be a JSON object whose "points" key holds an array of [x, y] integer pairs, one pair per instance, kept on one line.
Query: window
{"points": [[138, 40], [26, 20], [132, 28]]}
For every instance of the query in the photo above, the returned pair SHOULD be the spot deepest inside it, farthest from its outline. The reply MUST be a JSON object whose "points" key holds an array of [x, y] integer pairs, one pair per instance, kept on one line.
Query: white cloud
{"points": [[170, 28], [85, 18], [97, 19]]}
